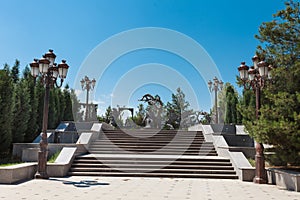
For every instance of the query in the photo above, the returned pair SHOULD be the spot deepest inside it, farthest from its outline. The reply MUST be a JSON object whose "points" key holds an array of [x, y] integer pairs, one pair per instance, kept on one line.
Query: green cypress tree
{"points": [[6, 104], [32, 128], [21, 111], [52, 115], [15, 71], [68, 112], [75, 107], [39, 98], [231, 112]]}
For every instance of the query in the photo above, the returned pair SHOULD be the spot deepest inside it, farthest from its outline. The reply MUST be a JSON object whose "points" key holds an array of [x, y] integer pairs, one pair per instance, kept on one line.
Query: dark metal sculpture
{"points": [[153, 117]]}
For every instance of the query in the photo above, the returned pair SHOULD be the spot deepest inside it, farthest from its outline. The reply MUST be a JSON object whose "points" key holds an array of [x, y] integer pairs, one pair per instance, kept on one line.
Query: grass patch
{"points": [[251, 161], [6, 159], [53, 157], [9, 164]]}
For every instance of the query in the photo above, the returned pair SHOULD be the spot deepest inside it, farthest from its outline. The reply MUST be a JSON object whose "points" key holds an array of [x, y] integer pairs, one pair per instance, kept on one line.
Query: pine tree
{"points": [[177, 110], [279, 121]]}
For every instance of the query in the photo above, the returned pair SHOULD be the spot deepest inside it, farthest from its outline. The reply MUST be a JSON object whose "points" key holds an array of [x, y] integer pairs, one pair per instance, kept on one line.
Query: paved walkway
{"points": [[106, 188]]}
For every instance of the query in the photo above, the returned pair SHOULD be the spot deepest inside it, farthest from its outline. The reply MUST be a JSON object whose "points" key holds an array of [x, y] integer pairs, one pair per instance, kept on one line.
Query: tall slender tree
{"points": [[15, 71], [6, 105], [21, 111], [68, 114], [32, 128], [78, 116], [231, 113]]}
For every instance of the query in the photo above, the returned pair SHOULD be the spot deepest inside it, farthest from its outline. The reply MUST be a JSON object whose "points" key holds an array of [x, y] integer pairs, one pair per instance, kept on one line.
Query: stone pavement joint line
{"points": [[128, 188]]}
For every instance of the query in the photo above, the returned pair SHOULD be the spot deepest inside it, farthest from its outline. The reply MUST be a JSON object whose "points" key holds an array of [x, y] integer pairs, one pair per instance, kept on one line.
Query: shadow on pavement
{"points": [[82, 183]]}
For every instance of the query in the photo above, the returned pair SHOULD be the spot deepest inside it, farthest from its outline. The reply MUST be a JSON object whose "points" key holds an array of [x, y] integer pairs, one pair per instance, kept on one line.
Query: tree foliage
{"points": [[21, 106], [21, 111], [6, 105], [107, 116], [67, 108], [279, 121], [232, 116], [177, 111], [139, 116]]}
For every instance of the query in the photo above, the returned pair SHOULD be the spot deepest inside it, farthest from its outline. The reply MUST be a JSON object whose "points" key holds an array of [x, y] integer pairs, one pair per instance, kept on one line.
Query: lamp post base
{"points": [[41, 175], [259, 180], [42, 165], [260, 172]]}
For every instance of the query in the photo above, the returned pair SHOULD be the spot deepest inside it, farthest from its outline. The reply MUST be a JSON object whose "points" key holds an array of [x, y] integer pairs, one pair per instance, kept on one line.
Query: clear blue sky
{"points": [[225, 30]]}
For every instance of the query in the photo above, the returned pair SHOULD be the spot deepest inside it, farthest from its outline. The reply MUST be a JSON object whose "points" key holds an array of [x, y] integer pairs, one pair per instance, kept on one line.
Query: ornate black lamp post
{"points": [[88, 85], [215, 86], [48, 72], [256, 77]]}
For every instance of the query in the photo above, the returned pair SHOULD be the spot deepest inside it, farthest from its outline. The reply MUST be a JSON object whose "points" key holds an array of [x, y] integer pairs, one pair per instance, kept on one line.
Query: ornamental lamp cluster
{"points": [[218, 84], [86, 83], [259, 71], [47, 68]]}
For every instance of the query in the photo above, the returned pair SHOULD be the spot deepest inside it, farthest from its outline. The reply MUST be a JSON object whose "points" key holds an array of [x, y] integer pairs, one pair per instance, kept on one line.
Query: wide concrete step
{"points": [[140, 142], [162, 175], [152, 136], [151, 143], [151, 132], [153, 170], [152, 139], [140, 157], [150, 165], [201, 153], [160, 149], [148, 149], [158, 145], [153, 162], [159, 135]]}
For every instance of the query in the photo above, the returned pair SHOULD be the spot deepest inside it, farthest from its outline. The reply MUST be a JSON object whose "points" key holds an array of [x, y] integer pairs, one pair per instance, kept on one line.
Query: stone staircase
{"points": [[152, 153]]}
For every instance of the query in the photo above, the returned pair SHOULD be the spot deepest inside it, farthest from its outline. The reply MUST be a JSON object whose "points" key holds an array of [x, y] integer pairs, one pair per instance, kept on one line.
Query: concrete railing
{"points": [[62, 163], [240, 163], [28, 152], [286, 179], [17, 173], [25, 171]]}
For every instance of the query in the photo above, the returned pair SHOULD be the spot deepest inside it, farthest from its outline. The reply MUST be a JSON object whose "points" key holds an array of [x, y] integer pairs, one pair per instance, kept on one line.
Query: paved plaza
{"points": [[116, 188]]}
